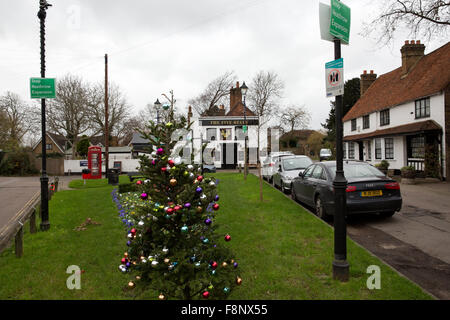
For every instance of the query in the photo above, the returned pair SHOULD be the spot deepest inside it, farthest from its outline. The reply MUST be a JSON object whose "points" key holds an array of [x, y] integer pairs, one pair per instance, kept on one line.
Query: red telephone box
{"points": [[95, 162]]}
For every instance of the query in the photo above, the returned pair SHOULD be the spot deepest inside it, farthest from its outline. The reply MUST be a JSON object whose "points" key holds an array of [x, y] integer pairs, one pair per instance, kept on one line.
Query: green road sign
{"points": [[42, 88], [244, 129], [340, 20]]}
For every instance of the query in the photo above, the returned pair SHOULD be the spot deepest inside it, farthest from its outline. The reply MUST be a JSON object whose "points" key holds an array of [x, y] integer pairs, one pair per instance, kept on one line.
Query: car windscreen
{"points": [[296, 163], [357, 170], [324, 152]]}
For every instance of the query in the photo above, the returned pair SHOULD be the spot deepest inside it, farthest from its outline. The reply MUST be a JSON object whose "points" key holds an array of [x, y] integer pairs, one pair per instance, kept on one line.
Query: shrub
{"points": [[128, 187], [408, 172]]}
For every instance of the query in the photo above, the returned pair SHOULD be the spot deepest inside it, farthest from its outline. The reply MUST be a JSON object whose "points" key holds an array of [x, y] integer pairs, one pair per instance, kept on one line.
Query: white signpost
{"points": [[334, 77]]}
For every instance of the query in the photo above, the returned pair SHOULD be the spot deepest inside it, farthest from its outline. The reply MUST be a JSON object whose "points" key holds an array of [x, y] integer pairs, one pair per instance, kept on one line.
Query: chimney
{"points": [[411, 53], [235, 96], [189, 114], [366, 80]]}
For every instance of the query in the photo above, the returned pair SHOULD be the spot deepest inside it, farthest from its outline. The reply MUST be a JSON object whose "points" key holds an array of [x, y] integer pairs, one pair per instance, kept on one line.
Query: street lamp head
{"points": [[157, 104], [43, 4], [244, 89]]}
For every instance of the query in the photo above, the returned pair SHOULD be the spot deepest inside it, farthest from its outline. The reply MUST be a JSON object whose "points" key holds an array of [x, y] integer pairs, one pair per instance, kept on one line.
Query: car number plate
{"points": [[371, 193]]}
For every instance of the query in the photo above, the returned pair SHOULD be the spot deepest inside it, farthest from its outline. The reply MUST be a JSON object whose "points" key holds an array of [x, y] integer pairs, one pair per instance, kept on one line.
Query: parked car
{"points": [[209, 168], [325, 154], [268, 165], [368, 189], [288, 168]]}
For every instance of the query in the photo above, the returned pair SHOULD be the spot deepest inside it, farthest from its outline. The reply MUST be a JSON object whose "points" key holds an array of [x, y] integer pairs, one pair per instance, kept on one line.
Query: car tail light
{"points": [[271, 164], [350, 188], [392, 186]]}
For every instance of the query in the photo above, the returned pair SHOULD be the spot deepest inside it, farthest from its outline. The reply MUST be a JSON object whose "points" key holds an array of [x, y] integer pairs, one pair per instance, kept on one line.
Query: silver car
{"points": [[288, 168], [268, 168]]}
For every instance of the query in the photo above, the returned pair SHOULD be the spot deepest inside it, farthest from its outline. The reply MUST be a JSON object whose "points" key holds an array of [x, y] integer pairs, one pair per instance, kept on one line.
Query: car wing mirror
{"points": [[279, 169], [300, 174]]}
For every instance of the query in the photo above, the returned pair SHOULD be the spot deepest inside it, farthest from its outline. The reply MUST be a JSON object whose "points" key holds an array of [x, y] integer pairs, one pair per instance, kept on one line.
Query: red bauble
{"points": [[200, 178], [123, 260], [205, 294], [139, 182], [176, 208], [164, 169], [171, 163], [216, 206], [169, 210], [214, 265], [227, 237], [133, 231]]}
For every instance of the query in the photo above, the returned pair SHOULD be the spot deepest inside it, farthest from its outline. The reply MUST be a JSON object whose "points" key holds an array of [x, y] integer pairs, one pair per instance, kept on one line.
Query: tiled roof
{"points": [[414, 127], [430, 75], [238, 110]]}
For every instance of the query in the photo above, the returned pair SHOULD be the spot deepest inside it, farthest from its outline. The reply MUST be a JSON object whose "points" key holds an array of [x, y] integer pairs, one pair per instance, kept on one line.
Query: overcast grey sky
{"points": [[155, 46]]}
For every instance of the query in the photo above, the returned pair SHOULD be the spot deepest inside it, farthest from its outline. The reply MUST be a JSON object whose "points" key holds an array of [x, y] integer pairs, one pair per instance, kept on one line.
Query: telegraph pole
{"points": [[45, 223], [106, 119]]}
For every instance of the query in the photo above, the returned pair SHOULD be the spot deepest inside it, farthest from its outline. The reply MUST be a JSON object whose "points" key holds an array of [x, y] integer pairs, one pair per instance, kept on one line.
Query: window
{"points": [[423, 108], [211, 134], [353, 124], [225, 134], [318, 173], [377, 148], [369, 150], [351, 150], [384, 117], [389, 148], [344, 150], [417, 147], [309, 171], [366, 122], [240, 135], [48, 146]]}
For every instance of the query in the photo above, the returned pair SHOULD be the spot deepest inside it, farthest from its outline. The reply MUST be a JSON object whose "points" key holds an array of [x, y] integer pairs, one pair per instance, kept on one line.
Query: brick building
{"points": [[403, 116]]}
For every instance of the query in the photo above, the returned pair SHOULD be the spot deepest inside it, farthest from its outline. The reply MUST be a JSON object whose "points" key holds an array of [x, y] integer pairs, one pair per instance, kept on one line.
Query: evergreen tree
{"points": [[172, 243]]}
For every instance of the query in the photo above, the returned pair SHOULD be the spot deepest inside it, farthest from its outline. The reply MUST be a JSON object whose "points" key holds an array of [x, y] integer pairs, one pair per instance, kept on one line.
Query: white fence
{"points": [[76, 166]]}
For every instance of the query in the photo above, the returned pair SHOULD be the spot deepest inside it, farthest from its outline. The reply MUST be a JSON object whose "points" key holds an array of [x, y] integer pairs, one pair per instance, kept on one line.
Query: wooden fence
{"points": [[28, 212]]}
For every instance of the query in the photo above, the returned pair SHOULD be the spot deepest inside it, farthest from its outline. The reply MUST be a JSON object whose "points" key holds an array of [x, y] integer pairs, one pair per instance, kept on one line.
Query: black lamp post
{"points": [[244, 89], [45, 224], [340, 264], [157, 105]]}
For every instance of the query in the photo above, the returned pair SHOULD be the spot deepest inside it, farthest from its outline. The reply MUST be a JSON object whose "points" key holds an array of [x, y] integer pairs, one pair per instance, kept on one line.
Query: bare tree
{"points": [[424, 18], [118, 109], [215, 93], [126, 129], [68, 113], [264, 91], [18, 120], [295, 117]]}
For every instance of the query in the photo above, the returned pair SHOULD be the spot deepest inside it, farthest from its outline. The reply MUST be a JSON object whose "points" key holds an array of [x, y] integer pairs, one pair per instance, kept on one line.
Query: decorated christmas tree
{"points": [[173, 245]]}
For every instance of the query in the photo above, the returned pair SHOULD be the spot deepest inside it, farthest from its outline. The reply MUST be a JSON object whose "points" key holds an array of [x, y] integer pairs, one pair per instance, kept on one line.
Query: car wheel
{"points": [[320, 210], [387, 214]]}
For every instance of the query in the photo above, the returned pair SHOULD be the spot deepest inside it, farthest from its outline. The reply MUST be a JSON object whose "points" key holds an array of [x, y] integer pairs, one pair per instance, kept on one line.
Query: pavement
{"points": [[16, 192]]}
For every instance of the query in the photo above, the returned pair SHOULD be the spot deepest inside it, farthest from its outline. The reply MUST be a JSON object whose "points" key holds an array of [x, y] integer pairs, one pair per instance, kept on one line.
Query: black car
{"points": [[368, 189]]}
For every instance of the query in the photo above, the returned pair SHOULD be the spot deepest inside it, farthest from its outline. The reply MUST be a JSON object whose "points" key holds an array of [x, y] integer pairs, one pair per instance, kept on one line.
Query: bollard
{"points": [[19, 243]]}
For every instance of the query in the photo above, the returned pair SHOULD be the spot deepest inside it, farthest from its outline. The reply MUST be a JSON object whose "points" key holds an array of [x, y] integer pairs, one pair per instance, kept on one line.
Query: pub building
{"points": [[224, 134]]}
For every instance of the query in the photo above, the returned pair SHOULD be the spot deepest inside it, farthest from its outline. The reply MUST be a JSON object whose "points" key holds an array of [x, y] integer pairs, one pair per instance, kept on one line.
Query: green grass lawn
{"points": [[283, 251]]}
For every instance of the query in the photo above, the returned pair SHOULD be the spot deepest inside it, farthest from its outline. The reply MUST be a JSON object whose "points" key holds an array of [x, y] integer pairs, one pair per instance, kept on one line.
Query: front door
{"points": [[229, 155], [361, 150]]}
